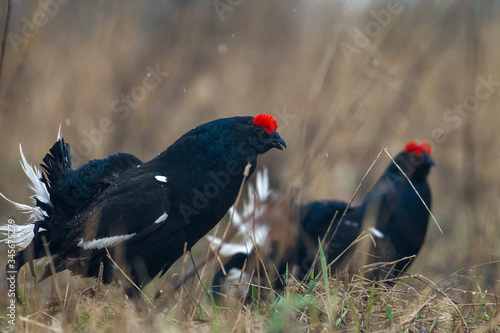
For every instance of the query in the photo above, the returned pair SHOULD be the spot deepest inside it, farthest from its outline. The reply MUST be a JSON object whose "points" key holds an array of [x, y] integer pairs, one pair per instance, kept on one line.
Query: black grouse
{"points": [[401, 218], [143, 213], [282, 239], [399, 232]]}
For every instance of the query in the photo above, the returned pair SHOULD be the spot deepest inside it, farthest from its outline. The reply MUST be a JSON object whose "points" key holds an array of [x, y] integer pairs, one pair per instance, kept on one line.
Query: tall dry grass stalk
{"points": [[335, 110]]}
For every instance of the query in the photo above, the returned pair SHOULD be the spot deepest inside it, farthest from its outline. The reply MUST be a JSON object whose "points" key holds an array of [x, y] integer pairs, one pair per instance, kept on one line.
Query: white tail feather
{"points": [[22, 207], [262, 184], [236, 216], [41, 192], [230, 249], [243, 222], [261, 233], [34, 176], [20, 235], [236, 283], [35, 213], [104, 242]]}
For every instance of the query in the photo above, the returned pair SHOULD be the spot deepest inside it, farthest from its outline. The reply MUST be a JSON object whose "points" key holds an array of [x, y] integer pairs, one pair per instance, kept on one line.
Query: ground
{"points": [[343, 80]]}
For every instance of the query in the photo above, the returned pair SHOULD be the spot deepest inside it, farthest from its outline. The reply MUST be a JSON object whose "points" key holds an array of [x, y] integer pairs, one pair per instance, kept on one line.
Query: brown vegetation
{"points": [[339, 99]]}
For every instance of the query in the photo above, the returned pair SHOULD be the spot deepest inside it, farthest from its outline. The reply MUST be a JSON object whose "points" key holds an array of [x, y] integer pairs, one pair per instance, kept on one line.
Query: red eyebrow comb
{"points": [[417, 149], [267, 122]]}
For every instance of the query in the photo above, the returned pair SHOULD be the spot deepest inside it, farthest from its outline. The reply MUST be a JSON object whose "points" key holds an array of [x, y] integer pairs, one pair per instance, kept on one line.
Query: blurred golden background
{"points": [[343, 80]]}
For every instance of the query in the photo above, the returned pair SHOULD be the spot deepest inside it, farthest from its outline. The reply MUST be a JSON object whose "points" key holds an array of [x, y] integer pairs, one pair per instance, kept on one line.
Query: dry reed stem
{"points": [[52, 269], [409, 181], [345, 211], [128, 278]]}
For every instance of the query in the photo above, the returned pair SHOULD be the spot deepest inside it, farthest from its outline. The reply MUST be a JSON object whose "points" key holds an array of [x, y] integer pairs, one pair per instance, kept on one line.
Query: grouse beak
{"points": [[429, 160], [277, 142]]}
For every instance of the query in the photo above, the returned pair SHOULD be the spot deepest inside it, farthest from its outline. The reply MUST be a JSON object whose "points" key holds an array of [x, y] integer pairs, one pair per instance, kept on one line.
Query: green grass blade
{"points": [[371, 301], [354, 314], [324, 271], [311, 287], [389, 315], [433, 324], [212, 300]]}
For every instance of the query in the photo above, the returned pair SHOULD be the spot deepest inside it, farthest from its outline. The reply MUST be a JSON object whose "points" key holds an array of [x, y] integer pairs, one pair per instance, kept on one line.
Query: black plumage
{"points": [[144, 213], [399, 231], [401, 217], [316, 218], [71, 191], [286, 248]]}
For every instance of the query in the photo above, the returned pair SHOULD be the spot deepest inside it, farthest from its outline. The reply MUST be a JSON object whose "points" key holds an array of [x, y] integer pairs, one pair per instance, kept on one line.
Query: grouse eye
{"points": [[259, 130]]}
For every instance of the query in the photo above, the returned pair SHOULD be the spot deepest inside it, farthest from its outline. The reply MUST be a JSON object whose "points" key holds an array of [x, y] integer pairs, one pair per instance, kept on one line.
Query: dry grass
{"points": [[347, 303], [281, 58]]}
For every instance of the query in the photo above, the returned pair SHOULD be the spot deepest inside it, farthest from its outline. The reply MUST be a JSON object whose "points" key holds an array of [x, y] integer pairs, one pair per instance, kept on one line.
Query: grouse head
{"points": [[238, 139], [415, 160]]}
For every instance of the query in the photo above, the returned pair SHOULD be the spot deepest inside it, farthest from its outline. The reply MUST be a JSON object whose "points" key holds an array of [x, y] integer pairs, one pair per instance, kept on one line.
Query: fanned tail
{"points": [[35, 212], [59, 157], [35, 176], [244, 221], [57, 162], [19, 235], [41, 193]]}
